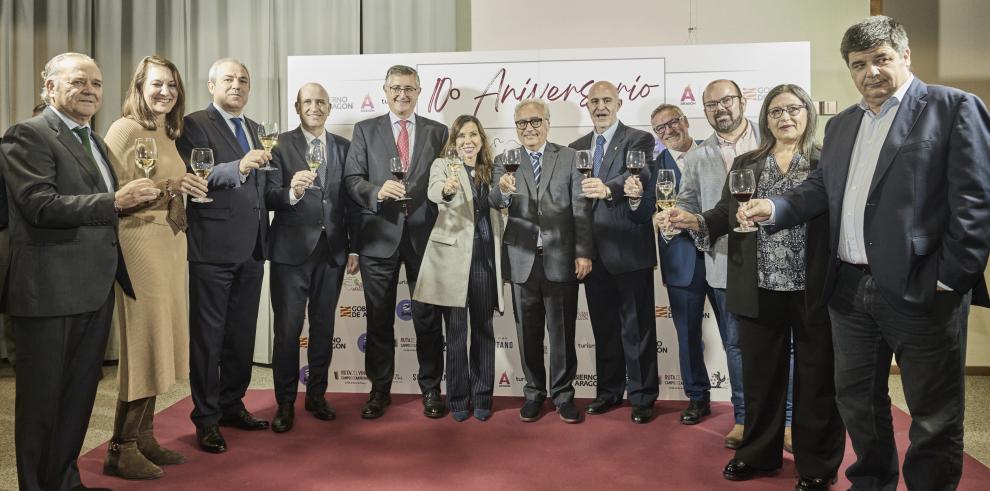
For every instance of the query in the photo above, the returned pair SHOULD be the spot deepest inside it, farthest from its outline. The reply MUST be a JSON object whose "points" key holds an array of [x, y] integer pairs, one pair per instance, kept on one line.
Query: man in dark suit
{"points": [[905, 181], [308, 252], [394, 232], [682, 269], [619, 288], [226, 256], [548, 245], [64, 261]]}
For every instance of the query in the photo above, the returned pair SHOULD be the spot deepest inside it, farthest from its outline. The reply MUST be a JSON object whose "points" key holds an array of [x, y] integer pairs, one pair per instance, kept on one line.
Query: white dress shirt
{"points": [[101, 164]]}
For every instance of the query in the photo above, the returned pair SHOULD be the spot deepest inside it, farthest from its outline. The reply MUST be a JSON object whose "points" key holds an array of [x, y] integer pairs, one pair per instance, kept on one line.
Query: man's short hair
{"points": [[532, 102], [713, 82], [54, 67], [878, 30], [216, 67], [401, 70], [666, 107]]}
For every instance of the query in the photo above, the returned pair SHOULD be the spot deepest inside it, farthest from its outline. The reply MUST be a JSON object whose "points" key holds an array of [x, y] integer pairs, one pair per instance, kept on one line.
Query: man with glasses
{"points": [[549, 247], [619, 288], [393, 232], [704, 174]]}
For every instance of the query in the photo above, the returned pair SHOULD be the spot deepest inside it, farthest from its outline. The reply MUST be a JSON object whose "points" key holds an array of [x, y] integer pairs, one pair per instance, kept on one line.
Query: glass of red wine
{"points": [[511, 160], [583, 163], [635, 161], [742, 184], [397, 170]]}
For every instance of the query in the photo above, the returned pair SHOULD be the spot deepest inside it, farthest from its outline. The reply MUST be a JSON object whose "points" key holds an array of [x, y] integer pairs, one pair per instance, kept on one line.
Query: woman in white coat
{"points": [[461, 269]]}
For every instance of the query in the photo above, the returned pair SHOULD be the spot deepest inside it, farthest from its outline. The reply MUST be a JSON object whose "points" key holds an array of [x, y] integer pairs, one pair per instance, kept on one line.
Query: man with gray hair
{"points": [[549, 247], [65, 259]]}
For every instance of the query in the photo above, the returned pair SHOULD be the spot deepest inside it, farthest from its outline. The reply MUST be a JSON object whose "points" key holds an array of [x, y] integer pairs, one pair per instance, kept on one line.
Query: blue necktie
{"points": [[599, 154], [239, 134], [536, 166], [321, 171]]}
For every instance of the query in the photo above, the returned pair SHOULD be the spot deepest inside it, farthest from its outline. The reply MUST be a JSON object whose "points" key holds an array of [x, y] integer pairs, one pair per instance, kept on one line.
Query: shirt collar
{"points": [[395, 119], [722, 142], [893, 100], [676, 155], [309, 136], [65, 119], [226, 115], [608, 134], [542, 150]]}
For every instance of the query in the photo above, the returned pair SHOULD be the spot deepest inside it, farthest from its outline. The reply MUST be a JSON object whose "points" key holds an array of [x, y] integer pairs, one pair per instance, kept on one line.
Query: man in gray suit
{"points": [[549, 248], [705, 170]]}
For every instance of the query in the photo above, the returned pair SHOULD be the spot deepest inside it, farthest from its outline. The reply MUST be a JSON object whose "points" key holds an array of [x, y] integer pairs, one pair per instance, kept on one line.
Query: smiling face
{"points": [[728, 114], [787, 128], [77, 89], [231, 88], [879, 72], [313, 107], [675, 133], [468, 142], [603, 105], [160, 90], [532, 138], [402, 92]]}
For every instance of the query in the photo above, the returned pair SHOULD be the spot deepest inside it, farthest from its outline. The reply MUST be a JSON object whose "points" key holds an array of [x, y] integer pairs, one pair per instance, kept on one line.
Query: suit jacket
{"points": [[381, 224], [235, 224], [328, 211], [446, 268], [623, 237], [742, 297], [678, 256], [927, 216], [555, 210], [63, 228]]}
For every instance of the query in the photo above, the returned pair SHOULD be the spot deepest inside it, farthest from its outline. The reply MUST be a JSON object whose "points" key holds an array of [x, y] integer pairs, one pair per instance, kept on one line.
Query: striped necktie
{"points": [[536, 166], [599, 155]]}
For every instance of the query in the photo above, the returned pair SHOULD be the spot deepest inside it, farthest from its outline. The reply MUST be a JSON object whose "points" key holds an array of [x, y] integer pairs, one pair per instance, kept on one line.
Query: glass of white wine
{"points": [[453, 159], [666, 197], [315, 157], [201, 162], [268, 134], [145, 154]]}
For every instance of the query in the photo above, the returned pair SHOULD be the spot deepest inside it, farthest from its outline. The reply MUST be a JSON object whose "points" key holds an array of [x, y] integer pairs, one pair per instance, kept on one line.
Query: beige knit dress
{"points": [[154, 327]]}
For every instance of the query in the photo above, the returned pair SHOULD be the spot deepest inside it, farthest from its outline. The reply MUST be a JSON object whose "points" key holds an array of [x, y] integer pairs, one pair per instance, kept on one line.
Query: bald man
{"points": [[619, 288]]}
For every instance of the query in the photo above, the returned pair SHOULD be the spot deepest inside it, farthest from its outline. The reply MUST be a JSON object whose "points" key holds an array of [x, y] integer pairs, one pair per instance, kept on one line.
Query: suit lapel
{"points": [[465, 181], [387, 138], [419, 141], [72, 144], [101, 146], [527, 173], [547, 165], [300, 145], [612, 152], [221, 126], [907, 115]]}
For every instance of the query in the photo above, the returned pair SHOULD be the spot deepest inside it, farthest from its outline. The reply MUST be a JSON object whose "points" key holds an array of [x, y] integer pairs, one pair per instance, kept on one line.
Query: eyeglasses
{"points": [[535, 123], [777, 112], [673, 124], [405, 90], [725, 102]]}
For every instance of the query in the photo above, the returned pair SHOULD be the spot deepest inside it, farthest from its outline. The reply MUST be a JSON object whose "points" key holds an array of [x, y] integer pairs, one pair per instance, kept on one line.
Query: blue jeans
{"points": [[728, 329]]}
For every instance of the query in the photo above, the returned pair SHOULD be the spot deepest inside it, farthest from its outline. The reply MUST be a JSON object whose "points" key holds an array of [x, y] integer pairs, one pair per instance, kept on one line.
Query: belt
{"points": [[863, 268]]}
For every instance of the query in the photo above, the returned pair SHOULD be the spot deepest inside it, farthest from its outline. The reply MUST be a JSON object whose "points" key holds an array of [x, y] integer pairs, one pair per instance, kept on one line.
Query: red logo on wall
{"points": [[366, 105], [503, 381], [687, 97]]}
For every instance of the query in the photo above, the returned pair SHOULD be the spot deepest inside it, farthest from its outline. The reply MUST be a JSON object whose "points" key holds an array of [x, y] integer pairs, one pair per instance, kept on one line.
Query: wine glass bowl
{"points": [[635, 161], [666, 197], [145, 154], [268, 135], [742, 185], [201, 163], [399, 172], [315, 157], [511, 160]]}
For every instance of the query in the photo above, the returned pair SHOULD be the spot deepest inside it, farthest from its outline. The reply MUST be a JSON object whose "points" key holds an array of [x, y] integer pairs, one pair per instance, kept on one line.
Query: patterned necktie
{"points": [[599, 154], [536, 166], [321, 171], [240, 135], [403, 144]]}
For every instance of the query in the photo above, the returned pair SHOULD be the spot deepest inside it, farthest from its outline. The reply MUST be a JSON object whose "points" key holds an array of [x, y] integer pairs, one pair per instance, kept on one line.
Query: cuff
{"points": [[701, 237]]}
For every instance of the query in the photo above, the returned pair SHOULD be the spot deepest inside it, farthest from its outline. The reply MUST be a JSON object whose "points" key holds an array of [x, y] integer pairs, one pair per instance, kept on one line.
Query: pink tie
{"points": [[403, 144]]}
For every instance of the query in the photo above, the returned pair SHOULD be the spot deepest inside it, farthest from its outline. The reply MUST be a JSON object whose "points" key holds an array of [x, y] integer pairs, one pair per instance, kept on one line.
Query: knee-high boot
{"points": [[123, 459]]}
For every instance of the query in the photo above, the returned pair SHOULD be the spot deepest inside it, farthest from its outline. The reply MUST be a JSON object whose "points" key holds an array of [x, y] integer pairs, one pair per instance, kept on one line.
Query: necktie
{"points": [[321, 171], [240, 135], [536, 166], [83, 133], [599, 154], [403, 144]]}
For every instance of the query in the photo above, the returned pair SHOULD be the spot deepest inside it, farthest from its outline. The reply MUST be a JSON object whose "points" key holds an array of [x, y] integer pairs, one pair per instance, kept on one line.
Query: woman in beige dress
{"points": [[154, 334]]}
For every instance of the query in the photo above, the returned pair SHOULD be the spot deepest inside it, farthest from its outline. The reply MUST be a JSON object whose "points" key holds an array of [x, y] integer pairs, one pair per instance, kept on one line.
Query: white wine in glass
{"points": [[666, 197], [145, 154], [453, 159], [201, 162], [268, 134], [315, 157]]}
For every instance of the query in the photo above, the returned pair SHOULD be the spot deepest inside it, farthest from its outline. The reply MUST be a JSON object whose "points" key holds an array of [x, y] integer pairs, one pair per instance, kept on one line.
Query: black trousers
{"points": [[59, 362], [540, 304], [470, 377], [623, 320], [381, 280], [818, 434], [313, 287], [223, 318]]}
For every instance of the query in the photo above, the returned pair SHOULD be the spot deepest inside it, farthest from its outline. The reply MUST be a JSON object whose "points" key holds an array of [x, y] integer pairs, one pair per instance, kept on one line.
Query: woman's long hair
{"points": [[138, 110], [807, 146], [483, 163]]}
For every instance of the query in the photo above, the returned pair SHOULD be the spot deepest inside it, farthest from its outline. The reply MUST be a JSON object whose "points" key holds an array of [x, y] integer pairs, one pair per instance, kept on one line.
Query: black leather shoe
{"points": [[814, 483], [569, 412], [284, 417], [695, 411], [433, 405], [530, 411], [737, 470], [244, 421], [601, 405], [641, 414], [375, 406], [320, 409], [211, 440]]}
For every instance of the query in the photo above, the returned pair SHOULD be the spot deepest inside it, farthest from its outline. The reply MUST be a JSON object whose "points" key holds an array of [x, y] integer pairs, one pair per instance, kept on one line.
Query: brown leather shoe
{"points": [[734, 438], [788, 440]]}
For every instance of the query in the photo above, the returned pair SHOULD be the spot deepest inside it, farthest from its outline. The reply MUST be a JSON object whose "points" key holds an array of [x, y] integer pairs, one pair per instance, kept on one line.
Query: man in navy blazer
{"points": [[682, 269], [619, 288], [905, 181]]}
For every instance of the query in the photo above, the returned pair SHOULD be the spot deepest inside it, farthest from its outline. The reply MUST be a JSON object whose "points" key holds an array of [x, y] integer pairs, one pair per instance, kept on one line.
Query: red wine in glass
{"points": [[742, 197], [634, 170], [399, 175], [585, 172], [511, 167]]}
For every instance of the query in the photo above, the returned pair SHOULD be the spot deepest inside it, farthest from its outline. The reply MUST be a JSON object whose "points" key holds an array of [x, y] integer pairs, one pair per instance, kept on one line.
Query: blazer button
{"points": [[324, 201], [323, 227]]}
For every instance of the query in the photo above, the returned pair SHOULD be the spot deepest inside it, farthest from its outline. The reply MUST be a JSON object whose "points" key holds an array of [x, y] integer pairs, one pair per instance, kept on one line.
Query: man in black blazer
{"points": [[394, 232], [226, 256], [64, 261], [619, 288], [308, 252], [905, 181], [548, 246]]}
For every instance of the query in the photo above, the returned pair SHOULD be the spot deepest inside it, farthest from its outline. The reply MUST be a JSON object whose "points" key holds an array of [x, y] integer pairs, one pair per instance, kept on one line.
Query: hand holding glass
{"points": [[268, 134], [511, 160], [314, 159], [742, 184], [666, 197], [397, 170], [201, 162]]}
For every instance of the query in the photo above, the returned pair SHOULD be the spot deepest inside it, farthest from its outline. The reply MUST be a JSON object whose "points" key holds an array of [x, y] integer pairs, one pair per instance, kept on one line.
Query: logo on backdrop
{"points": [[661, 349], [303, 342], [687, 97], [586, 345], [339, 344], [404, 310], [719, 381], [671, 380], [353, 311], [353, 284], [367, 106], [350, 377], [407, 344], [362, 340], [585, 380], [755, 93], [340, 103], [663, 312], [583, 315], [502, 342], [304, 375], [504, 380]]}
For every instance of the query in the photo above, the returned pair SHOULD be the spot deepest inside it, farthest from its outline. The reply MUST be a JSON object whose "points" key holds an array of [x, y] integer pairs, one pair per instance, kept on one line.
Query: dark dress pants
{"points": [[818, 434], [930, 351], [470, 379], [623, 320], [380, 277], [59, 362], [540, 304], [313, 287], [687, 308], [223, 318]]}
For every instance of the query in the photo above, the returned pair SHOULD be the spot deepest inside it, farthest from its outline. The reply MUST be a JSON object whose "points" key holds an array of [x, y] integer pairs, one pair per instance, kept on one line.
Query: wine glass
{"points": [[314, 159], [453, 159], [742, 184], [511, 160], [268, 134], [583, 163], [635, 161], [145, 154], [396, 168], [201, 162], [667, 197]]}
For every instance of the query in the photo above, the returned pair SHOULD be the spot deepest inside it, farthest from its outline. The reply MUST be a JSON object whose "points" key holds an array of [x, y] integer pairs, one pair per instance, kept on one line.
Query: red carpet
{"points": [[405, 450]]}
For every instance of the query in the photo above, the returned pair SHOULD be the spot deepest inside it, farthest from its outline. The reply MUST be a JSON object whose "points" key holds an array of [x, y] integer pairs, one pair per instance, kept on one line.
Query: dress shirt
{"points": [[608, 134], [679, 156], [101, 164], [746, 142], [309, 144], [233, 130]]}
